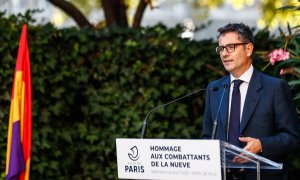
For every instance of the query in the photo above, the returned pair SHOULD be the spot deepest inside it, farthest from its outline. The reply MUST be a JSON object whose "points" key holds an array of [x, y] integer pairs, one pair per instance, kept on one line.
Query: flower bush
{"points": [[285, 57], [286, 60]]}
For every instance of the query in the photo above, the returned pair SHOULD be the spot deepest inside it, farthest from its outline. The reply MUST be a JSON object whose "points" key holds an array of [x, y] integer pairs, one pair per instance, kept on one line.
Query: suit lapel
{"points": [[252, 99]]}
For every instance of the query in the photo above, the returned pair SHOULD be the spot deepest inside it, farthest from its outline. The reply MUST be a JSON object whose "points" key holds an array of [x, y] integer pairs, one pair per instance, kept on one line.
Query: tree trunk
{"points": [[115, 12], [139, 13], [72, 11]]}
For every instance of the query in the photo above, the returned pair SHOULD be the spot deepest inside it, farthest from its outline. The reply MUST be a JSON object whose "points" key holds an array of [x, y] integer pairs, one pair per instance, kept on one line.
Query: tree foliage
{"points": [[115, 11], [119, 12]]}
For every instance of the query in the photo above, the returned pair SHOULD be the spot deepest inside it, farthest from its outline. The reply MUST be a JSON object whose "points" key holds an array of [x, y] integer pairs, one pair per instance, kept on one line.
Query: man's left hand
{"points": [[253, 146]]}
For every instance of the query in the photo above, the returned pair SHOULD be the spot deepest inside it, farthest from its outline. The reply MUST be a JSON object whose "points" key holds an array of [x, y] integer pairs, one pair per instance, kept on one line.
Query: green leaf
{"points": [[294, 82], [290, 7]]}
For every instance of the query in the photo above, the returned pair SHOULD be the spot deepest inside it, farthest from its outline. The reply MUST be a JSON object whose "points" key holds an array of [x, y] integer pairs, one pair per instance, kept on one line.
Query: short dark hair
{"points": [[244, 31]]}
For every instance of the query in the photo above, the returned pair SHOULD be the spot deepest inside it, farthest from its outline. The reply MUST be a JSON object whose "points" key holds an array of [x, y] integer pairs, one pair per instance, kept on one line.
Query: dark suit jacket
{"points": [[269, 114]]}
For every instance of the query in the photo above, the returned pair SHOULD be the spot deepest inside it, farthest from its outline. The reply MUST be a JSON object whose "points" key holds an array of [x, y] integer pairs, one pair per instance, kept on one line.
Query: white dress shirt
{"points": [[243, 89]]}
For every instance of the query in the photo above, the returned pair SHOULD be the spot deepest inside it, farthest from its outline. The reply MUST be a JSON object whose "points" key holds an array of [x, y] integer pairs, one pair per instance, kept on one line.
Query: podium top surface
{"points": [[252, 161]]}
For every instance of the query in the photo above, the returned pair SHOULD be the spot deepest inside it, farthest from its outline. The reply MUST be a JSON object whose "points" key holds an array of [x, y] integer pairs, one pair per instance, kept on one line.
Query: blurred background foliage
{"points": [[289, 41], [270, 17], [91, 86]]}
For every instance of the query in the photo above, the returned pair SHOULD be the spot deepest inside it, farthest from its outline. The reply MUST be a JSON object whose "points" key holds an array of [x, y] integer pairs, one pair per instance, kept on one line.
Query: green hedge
{"points": [[92, 86]]}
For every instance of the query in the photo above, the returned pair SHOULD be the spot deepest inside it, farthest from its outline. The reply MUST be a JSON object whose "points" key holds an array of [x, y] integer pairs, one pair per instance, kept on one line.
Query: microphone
{"points": [[163, 105], [215, 125]]}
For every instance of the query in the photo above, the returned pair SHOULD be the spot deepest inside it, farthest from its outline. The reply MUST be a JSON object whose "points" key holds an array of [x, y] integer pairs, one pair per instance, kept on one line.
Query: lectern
{"points": [[177, 159], [252, 161]]}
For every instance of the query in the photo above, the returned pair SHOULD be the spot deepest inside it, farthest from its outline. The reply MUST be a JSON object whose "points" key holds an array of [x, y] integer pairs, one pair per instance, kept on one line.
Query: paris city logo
{"points": [[134, 166], [134, 154]]}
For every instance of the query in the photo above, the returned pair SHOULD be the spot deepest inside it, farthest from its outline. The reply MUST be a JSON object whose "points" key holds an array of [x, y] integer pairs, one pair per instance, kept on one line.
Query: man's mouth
{"points": [[227, 60]]}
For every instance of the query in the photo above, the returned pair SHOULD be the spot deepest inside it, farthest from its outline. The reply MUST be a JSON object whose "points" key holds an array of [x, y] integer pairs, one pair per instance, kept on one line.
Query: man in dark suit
{"points": [[267, 121]]}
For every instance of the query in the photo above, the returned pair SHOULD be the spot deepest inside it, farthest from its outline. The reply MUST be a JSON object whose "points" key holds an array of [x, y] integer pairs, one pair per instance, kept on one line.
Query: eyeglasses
{"points": [[229, 47]]}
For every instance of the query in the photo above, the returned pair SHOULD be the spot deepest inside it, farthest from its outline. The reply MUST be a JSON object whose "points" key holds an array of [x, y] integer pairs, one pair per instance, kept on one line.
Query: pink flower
{"points": [[288, 70], [278, 55]]}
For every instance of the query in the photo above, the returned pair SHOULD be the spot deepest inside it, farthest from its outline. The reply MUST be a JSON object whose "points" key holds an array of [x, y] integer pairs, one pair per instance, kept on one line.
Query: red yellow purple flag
{"points": [[19, 128]]}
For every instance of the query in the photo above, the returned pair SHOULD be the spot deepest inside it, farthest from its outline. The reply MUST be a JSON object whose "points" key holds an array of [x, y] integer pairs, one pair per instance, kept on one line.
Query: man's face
{"points": [[238, 61]]}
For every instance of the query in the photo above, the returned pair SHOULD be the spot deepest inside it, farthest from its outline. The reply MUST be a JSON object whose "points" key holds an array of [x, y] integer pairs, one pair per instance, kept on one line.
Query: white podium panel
{"points": [[168, 159]]}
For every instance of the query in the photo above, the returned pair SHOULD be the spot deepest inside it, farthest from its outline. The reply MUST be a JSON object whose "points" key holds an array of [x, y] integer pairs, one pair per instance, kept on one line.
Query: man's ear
{"points": [[249, 49]]}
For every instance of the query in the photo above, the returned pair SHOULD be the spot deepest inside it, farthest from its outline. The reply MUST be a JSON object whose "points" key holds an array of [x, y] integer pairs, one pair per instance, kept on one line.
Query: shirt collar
{"points": [[245, 77]]}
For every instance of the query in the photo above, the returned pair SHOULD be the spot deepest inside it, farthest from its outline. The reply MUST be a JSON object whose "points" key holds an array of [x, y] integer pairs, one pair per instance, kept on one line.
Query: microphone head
{"points": [[225, 86], [215, 88]]}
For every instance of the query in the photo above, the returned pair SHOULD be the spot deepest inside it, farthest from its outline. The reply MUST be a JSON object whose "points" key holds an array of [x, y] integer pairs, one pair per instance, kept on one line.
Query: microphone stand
{"points": [[163, 105], [215, 125]]}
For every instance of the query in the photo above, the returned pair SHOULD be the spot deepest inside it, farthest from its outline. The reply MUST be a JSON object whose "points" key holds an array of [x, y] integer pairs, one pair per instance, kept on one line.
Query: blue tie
{"points": [[235, 111]]}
